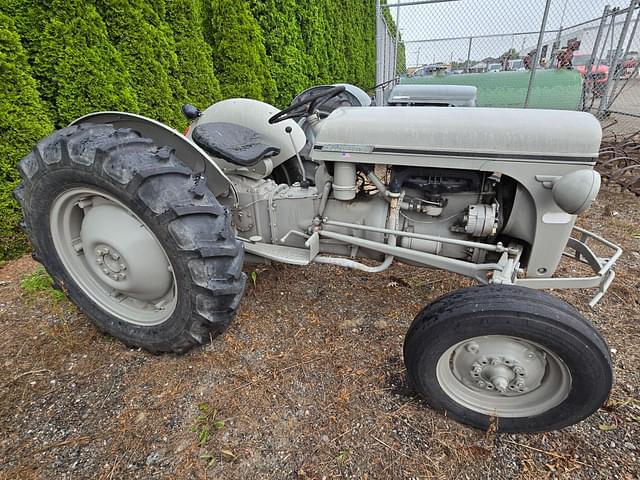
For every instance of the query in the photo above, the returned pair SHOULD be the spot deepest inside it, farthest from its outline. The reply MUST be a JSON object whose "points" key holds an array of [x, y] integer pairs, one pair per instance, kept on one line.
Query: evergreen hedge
{"points": [[79, 70], [23, 121], [60, 59], [239, 56]]}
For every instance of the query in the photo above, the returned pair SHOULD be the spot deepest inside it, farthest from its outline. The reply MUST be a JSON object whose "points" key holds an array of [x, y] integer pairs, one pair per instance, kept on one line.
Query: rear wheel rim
{"points": [[503, 376], [115, 259]]}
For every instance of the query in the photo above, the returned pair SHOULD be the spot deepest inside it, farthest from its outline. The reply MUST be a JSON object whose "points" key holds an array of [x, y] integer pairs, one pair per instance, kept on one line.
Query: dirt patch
{"points": [[307, 383]]}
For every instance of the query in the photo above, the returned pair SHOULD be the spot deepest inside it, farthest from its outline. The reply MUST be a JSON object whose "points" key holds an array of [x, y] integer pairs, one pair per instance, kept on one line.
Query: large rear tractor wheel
{"points": [[116, 222], [508, 356]]}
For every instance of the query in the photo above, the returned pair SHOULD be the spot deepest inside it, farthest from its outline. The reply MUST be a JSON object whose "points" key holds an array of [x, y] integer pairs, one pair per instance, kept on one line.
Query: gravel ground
{"points": [[308, 383]]}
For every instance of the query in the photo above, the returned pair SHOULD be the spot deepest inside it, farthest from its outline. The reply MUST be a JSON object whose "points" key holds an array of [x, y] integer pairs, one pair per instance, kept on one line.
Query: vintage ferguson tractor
{"points": [[147, 230]]}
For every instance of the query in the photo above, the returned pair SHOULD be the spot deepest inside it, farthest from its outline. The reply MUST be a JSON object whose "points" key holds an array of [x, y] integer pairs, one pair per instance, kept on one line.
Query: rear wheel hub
{"points": [[113, 256]]}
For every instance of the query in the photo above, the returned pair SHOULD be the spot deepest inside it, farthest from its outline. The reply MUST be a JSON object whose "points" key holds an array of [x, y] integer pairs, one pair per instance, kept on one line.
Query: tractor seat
{"points": [[234, 143]]}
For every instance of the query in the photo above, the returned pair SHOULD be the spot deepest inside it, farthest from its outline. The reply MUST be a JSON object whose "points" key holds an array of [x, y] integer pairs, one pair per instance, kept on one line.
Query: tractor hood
{"points": [[492, 133]]}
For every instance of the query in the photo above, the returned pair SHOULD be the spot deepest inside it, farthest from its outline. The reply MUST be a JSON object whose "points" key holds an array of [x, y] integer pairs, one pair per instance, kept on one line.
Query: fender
{"points": [[187, 151]]}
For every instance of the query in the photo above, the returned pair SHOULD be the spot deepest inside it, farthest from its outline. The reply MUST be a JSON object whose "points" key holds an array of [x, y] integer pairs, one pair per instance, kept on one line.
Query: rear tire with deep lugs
{"points": [[115, 220]]}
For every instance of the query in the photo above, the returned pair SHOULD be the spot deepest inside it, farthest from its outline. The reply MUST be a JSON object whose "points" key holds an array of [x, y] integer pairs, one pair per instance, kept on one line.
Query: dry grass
{"points": [[307, 383]]}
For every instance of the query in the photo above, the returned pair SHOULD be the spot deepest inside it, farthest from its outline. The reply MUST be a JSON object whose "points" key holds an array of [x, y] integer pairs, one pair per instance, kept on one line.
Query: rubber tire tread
{"points": [[520, 312], [194, 229]]}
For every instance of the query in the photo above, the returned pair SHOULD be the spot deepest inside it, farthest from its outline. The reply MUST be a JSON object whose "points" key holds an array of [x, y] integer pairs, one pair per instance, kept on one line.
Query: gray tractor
{"points": [[147, 231]]}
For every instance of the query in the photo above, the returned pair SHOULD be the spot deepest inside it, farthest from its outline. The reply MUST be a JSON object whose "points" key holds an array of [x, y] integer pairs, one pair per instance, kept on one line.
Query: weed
{"points": [[343, 455], [206, 422], [210, 459], [40, 281], [254, 278]]}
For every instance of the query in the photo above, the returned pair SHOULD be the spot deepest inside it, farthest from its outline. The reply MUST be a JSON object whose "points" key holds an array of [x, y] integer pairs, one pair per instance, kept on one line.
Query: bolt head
{"points": [[115, 256], [99, 261], [122, 276], [115, 277], [106, 271], [472, 347], [123, 266], [481, 384]]}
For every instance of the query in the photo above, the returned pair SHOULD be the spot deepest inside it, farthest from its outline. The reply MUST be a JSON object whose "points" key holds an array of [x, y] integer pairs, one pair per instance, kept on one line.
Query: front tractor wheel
{"points": [[509, 356], [115, 221]]}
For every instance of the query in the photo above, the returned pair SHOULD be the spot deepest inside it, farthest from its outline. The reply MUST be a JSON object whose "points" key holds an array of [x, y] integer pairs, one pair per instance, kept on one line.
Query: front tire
{"points": [[117, 223], [509, 356]]}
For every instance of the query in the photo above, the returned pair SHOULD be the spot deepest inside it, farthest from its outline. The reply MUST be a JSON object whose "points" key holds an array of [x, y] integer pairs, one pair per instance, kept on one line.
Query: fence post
{"points": [[615, 94], [592, 58], [536, 59], [604, 102], [379, 54], [395, 63]]}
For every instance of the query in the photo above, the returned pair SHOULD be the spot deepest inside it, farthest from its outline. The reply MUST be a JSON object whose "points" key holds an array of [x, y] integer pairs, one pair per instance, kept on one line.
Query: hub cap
{"points": [[503, 376], [113, 256]]}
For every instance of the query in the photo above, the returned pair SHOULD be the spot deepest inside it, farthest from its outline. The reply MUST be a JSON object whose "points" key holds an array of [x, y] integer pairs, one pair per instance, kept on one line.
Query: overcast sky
{"points": [[465, 18]]}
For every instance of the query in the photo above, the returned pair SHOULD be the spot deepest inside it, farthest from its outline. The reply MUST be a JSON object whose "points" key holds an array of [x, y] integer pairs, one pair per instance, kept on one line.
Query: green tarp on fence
{"points": [[554, 89]]}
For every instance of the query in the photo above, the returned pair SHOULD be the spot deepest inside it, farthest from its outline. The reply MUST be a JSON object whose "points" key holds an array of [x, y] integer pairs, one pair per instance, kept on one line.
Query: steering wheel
{"points": [[306, 105]]}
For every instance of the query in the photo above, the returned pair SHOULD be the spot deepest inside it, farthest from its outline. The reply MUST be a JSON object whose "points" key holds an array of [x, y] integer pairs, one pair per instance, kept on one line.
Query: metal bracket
{"points": [[547, 180], [313, 244], [510, 264], [602, 267]]}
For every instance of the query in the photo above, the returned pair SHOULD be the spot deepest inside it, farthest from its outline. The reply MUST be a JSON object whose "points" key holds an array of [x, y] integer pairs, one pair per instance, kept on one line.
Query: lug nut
{"points": [[115, 276], [122, 276], [123, 266], [99, 261], [481, 384], [520, 383], [106, 271], [115, 256]]}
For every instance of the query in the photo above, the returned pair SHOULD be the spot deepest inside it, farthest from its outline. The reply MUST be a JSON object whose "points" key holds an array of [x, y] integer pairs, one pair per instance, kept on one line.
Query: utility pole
{"points": [[469, 55], [417, 52], [556, 44]]}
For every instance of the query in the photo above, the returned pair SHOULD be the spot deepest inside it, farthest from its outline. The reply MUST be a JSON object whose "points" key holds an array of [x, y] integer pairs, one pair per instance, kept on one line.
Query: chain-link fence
{"points": [[557, 54]]}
